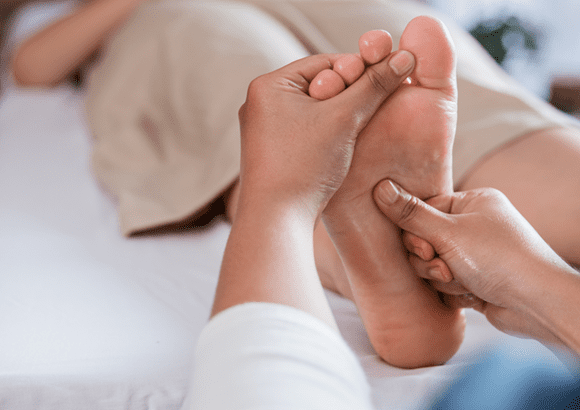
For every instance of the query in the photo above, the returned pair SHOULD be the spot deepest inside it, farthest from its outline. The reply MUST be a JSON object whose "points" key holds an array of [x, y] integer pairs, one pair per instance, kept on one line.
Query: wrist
{"points": [[269, 257], [552, 299]]}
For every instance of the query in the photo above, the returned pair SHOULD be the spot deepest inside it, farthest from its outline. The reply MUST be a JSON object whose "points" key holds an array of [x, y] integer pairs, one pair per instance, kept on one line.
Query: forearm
{"points": [[50, 55], [553, 301], [269, 257]]}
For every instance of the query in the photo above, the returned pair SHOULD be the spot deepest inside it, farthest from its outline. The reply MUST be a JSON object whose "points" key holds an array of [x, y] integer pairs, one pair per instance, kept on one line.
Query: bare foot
{"points": [[408, 140]]}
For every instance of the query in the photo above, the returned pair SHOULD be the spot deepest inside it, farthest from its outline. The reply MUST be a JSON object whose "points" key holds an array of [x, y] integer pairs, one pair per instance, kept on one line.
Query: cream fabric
{"points": [[268, 356], [163, 104]]}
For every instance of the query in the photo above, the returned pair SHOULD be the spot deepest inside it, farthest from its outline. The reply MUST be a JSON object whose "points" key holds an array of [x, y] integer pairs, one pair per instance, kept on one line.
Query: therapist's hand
{"points": [[296, 149], [477, 242]]}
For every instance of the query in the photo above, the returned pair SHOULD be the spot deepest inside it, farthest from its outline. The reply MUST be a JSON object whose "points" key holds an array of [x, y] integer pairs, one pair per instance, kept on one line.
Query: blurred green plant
{"points": [[502, 36]]}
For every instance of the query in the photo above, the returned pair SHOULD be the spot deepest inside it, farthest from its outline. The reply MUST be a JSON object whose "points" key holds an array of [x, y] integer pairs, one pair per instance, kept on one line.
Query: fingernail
{"points": [[435, 273], [388, 192], [401, 62]]}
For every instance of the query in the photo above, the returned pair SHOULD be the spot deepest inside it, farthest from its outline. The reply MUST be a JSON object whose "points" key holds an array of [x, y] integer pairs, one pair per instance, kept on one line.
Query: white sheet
{"points": [[79, 301], [92, 320]]}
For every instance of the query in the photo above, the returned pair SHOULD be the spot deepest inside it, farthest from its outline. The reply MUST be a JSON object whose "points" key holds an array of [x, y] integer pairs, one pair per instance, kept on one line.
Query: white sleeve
{"points": [[269, 356]]}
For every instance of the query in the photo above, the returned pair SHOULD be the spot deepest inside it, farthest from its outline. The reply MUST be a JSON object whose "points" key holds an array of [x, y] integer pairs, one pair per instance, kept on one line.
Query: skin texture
{"points": [[408, 324], [296, 151], [524, 289]]}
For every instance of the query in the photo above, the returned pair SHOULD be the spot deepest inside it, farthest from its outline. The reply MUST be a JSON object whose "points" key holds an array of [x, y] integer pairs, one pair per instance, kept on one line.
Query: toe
{"points": [[429, 41], [375, 45], [350, 68], [326, 84]]}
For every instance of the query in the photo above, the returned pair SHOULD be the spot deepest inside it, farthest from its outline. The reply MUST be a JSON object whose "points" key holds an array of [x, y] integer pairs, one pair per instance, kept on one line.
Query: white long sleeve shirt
{"points": [[269, 356]]}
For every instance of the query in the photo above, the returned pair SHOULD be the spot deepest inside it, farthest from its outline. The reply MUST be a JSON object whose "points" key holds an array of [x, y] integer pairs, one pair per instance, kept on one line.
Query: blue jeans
{"points": [[503, 379]]}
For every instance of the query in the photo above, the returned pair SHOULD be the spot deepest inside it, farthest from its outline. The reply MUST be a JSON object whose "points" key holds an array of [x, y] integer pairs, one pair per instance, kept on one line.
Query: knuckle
{"points": [[497, 195], [492, 196], [489, 192], [257, 88], [380, 81], [258, 99], [242, 113], [409, 209]]}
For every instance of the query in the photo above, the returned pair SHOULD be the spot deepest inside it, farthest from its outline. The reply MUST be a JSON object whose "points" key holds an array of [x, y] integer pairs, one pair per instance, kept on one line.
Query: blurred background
{"points": [[536, 41]]}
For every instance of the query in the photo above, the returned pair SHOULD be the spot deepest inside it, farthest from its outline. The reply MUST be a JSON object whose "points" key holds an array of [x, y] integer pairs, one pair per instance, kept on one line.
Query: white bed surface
{"points": [[83, 306]]}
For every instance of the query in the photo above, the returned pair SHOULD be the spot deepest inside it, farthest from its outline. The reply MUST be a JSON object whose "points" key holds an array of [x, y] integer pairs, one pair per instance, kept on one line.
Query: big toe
{"points": [[429, 41]]}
